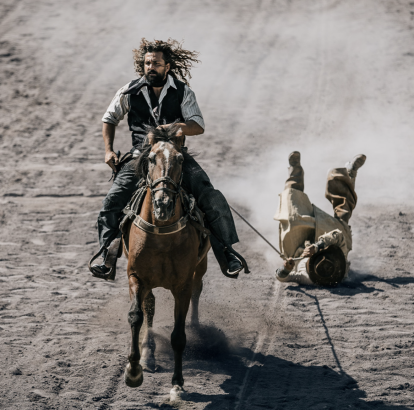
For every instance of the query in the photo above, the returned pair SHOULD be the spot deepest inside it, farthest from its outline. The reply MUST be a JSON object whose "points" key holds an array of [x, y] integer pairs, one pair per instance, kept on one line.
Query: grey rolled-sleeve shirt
{"points": [[121, 105]]}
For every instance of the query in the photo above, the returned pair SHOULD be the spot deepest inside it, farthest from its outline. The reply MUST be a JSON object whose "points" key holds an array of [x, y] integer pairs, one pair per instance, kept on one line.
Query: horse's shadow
{"points": [[257, 381]]}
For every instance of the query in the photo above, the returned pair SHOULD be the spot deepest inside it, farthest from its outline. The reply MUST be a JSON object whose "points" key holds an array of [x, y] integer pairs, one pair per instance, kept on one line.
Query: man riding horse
{"points": [[159, 98]]}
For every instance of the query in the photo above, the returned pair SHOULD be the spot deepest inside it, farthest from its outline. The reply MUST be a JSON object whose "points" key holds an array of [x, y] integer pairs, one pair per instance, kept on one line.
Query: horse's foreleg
{"points": [[148, 343], [197, 289], [133, 370], [178, 337]]}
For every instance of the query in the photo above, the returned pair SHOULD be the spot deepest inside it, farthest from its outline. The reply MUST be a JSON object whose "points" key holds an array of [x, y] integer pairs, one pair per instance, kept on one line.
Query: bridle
{"points": [[176, 191]]}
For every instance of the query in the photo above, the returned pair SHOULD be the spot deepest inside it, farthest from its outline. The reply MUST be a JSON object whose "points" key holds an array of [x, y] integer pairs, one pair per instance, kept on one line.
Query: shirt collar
{"points": [[170, 81]]}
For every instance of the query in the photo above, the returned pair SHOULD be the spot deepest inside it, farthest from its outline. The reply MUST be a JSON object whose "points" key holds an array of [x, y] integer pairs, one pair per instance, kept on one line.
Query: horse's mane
{"points": [[154, 135]]}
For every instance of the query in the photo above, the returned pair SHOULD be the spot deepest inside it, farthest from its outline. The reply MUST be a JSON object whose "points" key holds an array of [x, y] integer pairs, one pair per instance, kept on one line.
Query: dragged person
{"points": [[319, 242]]}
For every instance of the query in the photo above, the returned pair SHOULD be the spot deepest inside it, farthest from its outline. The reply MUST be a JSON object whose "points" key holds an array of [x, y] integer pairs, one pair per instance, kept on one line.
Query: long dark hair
{"points": [[181, 61]]}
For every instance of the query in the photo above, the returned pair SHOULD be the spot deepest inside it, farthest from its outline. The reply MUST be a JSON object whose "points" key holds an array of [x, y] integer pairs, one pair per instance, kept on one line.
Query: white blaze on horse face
{"points": [[160, 149], [166, 152], [167, 156]]}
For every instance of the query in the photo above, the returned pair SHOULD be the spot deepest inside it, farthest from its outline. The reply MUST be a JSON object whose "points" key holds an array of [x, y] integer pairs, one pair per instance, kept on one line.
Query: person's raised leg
{"points": [[340, 188], [352, 166], [296, 212], [296, 173]]}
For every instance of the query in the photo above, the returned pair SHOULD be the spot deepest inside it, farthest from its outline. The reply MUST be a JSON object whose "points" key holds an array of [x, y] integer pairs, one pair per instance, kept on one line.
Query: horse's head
{"points": [[165, 169]]}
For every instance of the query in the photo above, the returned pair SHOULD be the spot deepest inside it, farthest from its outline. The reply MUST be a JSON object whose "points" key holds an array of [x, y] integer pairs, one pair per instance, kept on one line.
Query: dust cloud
{"points": [[328, 78], [383, 180], [384, 136]]}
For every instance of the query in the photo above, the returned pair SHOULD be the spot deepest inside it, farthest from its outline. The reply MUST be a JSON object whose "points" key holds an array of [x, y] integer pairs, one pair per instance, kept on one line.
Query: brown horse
{"points": [[164, 251]]}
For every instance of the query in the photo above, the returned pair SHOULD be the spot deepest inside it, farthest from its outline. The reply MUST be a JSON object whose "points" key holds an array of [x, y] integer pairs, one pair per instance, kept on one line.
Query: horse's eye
{"points": [[180, 158], [151, 157]]}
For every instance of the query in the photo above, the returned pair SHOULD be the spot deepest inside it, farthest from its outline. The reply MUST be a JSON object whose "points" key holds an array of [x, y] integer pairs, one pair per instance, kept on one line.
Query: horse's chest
{"points": [[169, 245], [161, 258]]}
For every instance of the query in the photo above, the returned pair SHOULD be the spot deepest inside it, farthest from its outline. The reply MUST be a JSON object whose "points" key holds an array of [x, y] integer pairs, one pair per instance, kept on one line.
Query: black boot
{"points": [[231, 263], [103, 271], [234, 264], [100, 270], [107, 270]]}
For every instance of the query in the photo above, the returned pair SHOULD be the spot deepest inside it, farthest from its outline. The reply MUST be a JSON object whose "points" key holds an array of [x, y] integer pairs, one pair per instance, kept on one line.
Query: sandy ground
{"points": [[329, 78]]}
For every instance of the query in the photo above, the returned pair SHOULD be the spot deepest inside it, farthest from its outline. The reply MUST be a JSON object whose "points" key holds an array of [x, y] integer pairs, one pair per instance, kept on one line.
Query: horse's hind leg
{"points": [[197, 289], [148, 343], [133, 371], [178, 337]]}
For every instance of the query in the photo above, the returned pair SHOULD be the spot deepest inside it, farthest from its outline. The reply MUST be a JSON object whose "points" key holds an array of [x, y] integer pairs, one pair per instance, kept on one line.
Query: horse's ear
{"points": [[151, 138], [179, 138]]}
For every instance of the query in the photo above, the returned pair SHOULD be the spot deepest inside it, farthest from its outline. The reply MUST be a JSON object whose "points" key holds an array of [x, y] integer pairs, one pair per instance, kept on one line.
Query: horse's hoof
{"points": [[133, 381], [177, 393]]}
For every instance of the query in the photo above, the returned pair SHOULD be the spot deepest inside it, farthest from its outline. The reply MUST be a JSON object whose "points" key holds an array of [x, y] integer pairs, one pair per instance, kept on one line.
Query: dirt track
{"points": [[330, 78]]}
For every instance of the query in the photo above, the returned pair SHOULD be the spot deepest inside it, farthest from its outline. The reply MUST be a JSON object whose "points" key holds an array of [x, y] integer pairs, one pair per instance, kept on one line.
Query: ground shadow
{"points": [[394, 282], [269, 382], [357, 283]]}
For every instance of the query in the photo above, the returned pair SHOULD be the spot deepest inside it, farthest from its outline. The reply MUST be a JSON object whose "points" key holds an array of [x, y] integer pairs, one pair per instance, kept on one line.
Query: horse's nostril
{"points": [[163, 203]]}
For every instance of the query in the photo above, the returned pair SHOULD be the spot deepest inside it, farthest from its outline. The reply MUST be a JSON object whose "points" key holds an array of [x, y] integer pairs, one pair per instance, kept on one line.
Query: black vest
{"points": [[140, 116]]}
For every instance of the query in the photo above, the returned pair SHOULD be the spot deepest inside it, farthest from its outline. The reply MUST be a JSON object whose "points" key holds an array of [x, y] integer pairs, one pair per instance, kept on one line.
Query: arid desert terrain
{"points": [[329, 78]]}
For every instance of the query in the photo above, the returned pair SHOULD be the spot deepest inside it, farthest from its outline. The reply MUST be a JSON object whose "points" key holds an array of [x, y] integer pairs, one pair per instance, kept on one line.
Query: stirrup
{"points": [[243, 264], [106, 276], [233, 275], [110, 260]]}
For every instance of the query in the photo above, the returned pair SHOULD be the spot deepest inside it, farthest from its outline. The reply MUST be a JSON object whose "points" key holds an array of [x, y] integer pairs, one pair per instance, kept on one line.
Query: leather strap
{"points": [[161, 230], [200, 227], [110, 261], [94, 257], [113, 251]]}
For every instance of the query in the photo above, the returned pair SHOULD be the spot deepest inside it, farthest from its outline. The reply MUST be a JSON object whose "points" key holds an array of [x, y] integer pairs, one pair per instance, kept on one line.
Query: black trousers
{"points": [[195, 181]]}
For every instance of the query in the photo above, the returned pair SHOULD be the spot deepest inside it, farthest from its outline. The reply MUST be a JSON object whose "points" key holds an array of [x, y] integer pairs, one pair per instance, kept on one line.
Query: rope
{"points": [[258, 233]]}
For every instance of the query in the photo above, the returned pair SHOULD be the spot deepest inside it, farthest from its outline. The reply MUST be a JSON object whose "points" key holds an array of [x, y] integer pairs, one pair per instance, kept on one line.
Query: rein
{"points": [[151, 185], [258, 233]]}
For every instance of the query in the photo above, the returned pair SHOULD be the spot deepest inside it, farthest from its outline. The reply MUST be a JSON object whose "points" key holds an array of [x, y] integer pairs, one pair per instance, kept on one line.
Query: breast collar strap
{"points": [[161, 230]]}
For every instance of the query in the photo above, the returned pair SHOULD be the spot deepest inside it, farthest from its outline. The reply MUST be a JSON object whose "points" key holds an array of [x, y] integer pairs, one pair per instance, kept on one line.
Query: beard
{"points": [[156, 80]]}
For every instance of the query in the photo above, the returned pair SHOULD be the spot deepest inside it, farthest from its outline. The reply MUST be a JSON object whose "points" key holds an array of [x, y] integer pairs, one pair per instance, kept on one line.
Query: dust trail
{"points": [[330, 102]]}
